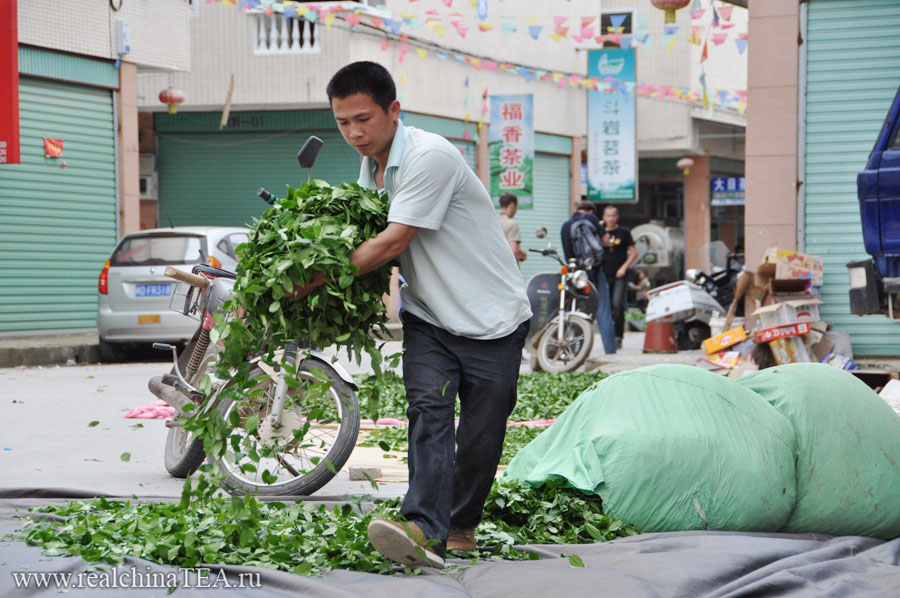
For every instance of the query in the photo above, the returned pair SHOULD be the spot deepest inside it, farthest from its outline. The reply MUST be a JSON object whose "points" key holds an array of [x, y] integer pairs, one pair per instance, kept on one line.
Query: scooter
{"points": [[564, 304], [688, 306], [301, 441]]}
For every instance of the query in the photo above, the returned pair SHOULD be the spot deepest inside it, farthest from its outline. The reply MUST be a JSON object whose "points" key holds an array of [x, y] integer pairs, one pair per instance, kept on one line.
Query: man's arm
{"points": [[370, 255], [517, 250], [632, 257], [383, 247]]}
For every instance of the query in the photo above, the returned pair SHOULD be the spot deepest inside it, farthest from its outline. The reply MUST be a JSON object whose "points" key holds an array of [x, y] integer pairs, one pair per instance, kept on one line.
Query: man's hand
{"points": [[621, 272], [301, 291]]}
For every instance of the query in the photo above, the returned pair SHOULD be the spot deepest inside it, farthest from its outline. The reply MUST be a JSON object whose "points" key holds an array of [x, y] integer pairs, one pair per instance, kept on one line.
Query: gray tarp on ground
{"points": [[666, 564]]}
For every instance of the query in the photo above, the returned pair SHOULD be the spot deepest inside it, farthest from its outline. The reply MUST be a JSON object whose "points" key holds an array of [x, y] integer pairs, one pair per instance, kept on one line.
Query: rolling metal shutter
{"points": [[212, 178], [853, 70], [551, 209], [57, 225]]}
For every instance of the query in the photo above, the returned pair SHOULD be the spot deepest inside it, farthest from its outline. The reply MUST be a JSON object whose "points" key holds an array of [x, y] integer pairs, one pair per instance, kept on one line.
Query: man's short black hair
{"points": [[363, 77], [585, 206], [508, 198], [610, 208]]}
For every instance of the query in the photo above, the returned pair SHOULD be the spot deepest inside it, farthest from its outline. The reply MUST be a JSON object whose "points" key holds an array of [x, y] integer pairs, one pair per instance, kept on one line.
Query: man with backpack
{"points": [[582, 240]]}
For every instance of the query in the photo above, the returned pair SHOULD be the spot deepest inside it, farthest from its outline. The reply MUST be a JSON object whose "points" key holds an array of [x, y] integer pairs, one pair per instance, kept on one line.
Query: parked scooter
{"points": [[722, 282], [688, 306], [564, 304], [287, 465]]}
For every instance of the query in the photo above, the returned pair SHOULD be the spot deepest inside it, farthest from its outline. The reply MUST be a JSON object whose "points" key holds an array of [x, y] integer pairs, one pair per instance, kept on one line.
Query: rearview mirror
{"points": [[541, 232], [306, 157]]}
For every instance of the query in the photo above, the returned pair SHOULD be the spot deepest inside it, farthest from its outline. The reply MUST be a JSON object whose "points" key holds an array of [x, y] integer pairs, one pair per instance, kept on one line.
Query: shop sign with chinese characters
{"points": [[511, 147], [728, 190], [612, 151]]}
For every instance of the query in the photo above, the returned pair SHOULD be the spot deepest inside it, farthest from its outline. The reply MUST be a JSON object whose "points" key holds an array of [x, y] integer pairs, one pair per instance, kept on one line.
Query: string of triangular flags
{"points": [[393, 35], [580, 29]]}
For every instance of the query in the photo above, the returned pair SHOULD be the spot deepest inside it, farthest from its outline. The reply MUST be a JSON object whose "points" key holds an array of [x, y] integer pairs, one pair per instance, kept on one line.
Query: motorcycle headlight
{"points": [[580, 280], [691, 274]]}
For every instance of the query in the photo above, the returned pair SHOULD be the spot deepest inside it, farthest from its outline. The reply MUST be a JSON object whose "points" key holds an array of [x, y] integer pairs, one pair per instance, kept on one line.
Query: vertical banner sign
{"points": [[9, 84], [612, 128], [511, 148]]}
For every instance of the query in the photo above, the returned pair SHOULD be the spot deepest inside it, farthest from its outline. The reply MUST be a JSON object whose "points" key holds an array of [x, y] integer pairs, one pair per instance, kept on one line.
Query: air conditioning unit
{"points": [[148, 178]]}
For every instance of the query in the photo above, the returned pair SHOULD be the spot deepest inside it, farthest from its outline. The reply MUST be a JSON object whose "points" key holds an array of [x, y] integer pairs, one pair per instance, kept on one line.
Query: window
{"points": [[615, 22], [158, 250], [229, 244]]}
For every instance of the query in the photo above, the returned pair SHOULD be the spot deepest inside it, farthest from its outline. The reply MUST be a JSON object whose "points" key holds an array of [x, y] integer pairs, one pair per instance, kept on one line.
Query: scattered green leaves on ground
{"points": [[541, 396], [300, 537]]}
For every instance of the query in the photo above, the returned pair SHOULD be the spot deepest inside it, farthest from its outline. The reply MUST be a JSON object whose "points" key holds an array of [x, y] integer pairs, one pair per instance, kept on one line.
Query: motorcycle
{"points": [[268, 418], [690, 304], [561, 331]]}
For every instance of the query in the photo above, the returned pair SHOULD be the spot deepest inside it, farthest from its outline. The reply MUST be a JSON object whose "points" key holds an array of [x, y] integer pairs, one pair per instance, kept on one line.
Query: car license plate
{"points": [[153, 290], [148, 319]]}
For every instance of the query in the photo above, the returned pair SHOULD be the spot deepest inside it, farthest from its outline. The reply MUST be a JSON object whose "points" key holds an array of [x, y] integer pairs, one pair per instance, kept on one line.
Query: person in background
{"points": [[619, 255], [640, 288], [585, 209], [509, 203]]}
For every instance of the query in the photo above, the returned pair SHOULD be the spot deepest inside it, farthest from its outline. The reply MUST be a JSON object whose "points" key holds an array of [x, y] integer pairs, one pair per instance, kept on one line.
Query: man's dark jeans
{"points": [[448, 484], [617, 288]]}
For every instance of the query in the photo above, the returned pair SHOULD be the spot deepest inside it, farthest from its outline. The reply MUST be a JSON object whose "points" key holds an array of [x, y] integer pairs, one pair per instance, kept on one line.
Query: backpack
{"points": [[586, 246]]}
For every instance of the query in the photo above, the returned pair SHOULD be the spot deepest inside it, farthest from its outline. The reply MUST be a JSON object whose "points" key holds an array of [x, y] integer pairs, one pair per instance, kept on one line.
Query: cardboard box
{"points": [[788, 312], [724, 340], [783, 264], [840, 361], [822, 348], [789, 350], [770, 334]]}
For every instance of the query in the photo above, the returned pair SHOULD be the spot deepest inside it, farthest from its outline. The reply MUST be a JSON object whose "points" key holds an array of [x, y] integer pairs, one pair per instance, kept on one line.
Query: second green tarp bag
{"points": [[848, 449], [671, 447]]}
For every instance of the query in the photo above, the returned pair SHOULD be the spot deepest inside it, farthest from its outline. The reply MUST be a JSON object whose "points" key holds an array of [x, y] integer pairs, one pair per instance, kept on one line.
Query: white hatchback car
{"points": [[134, 292]]}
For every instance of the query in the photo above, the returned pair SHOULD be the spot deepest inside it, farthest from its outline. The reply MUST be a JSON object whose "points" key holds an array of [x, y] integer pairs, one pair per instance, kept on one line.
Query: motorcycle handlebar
{"points": [[266, 196], [191, 279]]}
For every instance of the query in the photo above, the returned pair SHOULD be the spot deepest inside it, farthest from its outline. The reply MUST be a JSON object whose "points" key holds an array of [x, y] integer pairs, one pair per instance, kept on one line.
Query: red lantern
{"points": [[171, 97], [685, 165], [670, 6]]}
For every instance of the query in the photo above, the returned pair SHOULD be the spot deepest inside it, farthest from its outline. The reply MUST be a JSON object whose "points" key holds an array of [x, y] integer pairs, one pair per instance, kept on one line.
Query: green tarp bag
{"points": [[671, 447], [848, 450]]}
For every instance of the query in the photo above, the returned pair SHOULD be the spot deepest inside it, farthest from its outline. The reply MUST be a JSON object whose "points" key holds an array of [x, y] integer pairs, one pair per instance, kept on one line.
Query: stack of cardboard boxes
{"points": [[787, 289]]}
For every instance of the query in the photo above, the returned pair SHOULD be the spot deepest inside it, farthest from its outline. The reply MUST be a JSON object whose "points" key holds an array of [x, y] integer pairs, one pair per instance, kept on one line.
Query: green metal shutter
{"points": [[212, 178], [57, 225], [853, 69], [551, 209]]}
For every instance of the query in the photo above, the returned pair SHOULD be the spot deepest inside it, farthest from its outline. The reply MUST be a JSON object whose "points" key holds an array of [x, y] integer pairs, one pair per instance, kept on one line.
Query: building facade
{"points": [[811, 126], [280, 67], [75, 192]]}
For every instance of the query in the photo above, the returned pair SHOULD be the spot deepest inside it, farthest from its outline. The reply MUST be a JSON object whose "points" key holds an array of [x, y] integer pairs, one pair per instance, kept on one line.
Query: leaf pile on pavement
{"points": [[541, 396], [299, 537]]}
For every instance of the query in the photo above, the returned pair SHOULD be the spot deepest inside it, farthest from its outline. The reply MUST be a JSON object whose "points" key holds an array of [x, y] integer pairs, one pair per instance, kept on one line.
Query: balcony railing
{"points": [[278, 35]]}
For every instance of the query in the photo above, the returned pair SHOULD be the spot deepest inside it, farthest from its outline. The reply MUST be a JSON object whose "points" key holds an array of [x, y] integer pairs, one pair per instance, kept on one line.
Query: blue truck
{"points": [[875, 282]]}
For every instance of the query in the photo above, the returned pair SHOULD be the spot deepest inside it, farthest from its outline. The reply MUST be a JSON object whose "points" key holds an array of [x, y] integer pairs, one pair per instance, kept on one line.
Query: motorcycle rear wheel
{"points": [[300, 467], [184, 453], [578, 340]]}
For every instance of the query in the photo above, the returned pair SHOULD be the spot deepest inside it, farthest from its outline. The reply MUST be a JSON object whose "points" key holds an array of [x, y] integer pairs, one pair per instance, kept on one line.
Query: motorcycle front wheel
{"points": [[578, 339], [290, 463]]}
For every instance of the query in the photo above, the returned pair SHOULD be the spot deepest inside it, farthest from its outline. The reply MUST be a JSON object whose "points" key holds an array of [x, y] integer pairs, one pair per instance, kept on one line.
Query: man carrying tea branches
{"points": [[465, 315]]}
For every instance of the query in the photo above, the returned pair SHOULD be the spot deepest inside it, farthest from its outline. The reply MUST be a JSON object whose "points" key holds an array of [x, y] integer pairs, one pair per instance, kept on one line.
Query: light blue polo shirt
{"points": [[460, 272]]}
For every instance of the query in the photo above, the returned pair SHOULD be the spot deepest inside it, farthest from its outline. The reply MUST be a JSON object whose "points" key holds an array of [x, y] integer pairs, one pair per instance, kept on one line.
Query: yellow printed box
{"points": [[783, 264], [724, 340]]}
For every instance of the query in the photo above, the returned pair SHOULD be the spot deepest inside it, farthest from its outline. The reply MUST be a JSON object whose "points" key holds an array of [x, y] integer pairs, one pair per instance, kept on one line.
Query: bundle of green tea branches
{"points": [[315, 229]]}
